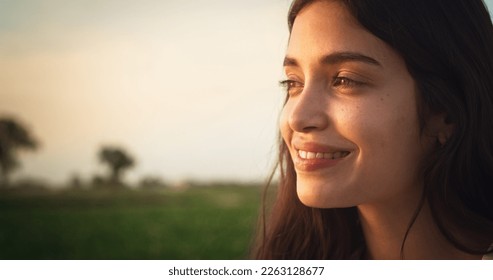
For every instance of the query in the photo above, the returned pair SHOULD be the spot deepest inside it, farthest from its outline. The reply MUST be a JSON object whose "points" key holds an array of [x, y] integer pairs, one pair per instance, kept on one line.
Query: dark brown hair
{"points": [[448, 50]]}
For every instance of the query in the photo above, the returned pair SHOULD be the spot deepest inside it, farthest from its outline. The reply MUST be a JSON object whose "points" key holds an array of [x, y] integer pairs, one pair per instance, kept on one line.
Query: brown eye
{"points": [[292, 87], [345, 82]]}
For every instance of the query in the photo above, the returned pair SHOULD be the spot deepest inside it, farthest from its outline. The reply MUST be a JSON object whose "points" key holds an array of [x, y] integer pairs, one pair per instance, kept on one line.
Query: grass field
{"points": [[199, 223]]}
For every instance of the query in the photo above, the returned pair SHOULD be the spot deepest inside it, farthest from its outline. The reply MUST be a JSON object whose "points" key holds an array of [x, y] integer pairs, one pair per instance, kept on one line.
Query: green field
{"points": [[198, 223]]}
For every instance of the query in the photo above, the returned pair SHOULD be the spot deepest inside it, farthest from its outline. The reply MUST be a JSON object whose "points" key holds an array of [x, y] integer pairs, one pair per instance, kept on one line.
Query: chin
{"points": [[317, 195]]}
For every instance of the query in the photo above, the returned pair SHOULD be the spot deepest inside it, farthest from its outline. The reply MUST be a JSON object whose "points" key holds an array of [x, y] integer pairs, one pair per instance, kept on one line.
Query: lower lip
{"points": [[310, 165]]}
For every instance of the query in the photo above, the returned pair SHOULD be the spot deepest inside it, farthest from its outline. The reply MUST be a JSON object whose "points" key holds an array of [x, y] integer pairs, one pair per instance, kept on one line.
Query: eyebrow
{"points": [[336, 58]]}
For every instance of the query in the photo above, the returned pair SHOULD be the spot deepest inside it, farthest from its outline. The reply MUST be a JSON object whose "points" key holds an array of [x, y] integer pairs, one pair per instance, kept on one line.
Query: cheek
{"points": [[378, 123], [382, 130], [388, 139]]}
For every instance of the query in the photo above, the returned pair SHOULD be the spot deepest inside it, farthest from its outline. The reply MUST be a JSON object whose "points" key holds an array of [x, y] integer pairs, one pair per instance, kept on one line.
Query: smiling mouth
{"points": [[312, 155]]}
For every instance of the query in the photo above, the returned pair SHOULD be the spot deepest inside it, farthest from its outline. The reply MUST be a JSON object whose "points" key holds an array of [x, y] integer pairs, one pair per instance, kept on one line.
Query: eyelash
{"points": [[289, 85], [345, 82], [338, 81]]}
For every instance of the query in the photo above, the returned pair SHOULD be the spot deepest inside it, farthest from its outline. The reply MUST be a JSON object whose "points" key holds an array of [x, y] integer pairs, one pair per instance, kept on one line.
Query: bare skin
{"points": [[351, 126], [384, 233]]}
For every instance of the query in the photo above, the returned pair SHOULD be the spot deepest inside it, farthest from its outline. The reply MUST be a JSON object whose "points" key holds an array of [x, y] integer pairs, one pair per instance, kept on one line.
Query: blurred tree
{"points": [[13, 137], [117, 160], [98, 181], [75, 182], [152, 183]]}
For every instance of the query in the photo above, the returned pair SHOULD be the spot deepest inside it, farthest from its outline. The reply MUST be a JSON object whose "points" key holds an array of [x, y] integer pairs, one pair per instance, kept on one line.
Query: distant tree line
{"points": [[15, 137]]}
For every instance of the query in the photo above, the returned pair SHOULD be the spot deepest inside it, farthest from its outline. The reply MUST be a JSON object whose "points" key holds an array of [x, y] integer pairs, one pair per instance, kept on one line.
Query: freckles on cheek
{"points": [[371, 130], [396, 131], [354, 123]]}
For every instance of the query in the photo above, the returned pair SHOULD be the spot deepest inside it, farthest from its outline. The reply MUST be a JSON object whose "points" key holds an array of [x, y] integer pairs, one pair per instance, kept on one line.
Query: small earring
{"points": [[442, 138]]}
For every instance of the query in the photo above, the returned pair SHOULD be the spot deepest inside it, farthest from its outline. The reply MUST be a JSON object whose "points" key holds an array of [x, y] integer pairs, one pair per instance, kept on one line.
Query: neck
{"points": [[385, 224]]}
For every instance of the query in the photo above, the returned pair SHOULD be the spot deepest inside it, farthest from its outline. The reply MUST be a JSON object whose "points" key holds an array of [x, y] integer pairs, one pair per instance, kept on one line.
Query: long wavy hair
{"points": [[448, 50]]}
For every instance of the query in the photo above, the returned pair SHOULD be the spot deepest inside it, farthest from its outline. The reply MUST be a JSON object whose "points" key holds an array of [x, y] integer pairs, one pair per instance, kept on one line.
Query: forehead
{"points": [[325, 27]]}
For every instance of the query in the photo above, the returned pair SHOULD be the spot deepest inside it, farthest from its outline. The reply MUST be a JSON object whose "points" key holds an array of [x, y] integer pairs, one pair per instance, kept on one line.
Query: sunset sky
{"points": [[189, 88]]}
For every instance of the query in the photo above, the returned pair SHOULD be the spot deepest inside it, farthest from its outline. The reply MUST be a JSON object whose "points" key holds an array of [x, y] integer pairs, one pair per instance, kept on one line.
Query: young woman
{"points": [[387, 132]]}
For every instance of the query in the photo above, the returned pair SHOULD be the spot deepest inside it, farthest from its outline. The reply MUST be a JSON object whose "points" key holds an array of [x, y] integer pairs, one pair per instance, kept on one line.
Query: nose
{"points": [[309, 111]]}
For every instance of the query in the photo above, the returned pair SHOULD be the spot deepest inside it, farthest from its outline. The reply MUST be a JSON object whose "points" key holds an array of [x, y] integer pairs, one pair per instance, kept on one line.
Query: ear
{"points": [[440, 127]]}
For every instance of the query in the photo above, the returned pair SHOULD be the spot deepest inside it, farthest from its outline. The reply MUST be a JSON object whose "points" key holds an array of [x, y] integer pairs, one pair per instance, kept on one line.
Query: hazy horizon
{"points": [[189, 89]]}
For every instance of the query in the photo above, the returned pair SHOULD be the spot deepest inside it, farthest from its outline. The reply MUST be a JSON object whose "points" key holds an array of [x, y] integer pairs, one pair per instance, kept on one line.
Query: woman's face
{"points": [[350, 121]]}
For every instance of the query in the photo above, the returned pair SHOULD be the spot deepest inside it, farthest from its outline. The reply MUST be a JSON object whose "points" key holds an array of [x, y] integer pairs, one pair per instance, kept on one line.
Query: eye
{"points": [[345, 82], [292, 87]]}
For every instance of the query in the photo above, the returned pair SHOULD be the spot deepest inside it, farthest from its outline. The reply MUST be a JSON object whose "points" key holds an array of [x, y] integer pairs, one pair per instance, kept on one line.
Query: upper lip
{"points": [[318, 148]]}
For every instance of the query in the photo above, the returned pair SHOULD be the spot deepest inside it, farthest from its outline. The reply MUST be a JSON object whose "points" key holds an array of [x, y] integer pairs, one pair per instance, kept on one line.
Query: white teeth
{"points": [[312, 155], [302, 154]]}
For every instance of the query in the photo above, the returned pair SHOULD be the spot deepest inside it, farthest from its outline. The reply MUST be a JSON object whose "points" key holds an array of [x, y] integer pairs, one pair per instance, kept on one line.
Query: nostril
{"points": [[309, 128]]}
